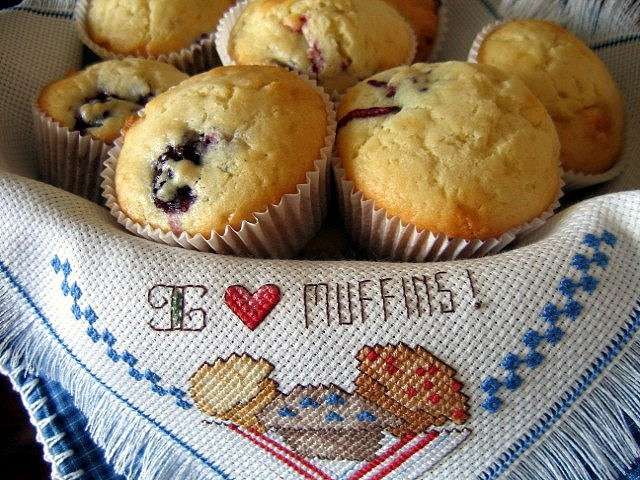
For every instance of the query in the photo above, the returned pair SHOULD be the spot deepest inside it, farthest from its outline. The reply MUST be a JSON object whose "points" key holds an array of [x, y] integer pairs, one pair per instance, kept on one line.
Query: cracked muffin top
{"points": [[573, 84], [219, 147], [339, 42], [151, 27], [98, 99], [459, 149]]}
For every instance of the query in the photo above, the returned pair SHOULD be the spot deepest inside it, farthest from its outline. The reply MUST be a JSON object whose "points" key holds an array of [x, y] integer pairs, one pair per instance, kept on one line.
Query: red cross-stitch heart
{"points": [[252, 309]]}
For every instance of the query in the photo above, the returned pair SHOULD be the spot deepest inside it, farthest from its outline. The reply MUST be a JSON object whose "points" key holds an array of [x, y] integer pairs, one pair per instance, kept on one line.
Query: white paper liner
{"points": [[280, 231], [198, 57], [573, 180], [231, 16], [388, 238], [68, 159]]}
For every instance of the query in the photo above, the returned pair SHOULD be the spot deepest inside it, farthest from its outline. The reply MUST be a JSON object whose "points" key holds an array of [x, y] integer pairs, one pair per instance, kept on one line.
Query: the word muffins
{"points": [[78, 117], [176, 31], [338, 42], [232, 160], [573, 84], [444, 160]]}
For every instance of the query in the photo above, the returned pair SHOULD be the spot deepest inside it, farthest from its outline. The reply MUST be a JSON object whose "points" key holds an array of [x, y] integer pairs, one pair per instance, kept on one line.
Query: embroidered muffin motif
{"points": [[326, 422], [234, 390]]}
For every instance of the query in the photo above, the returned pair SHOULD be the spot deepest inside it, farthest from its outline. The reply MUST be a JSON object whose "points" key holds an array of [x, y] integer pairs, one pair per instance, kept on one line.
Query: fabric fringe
{"points": [[594, 438], [26, 385], [131, 443], [588, 18], [51, 7]]}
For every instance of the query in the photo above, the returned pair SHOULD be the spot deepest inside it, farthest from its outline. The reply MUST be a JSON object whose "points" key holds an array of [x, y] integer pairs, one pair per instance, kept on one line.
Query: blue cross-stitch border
{"points": [[49, 326], [90, 317], [552, 314]]}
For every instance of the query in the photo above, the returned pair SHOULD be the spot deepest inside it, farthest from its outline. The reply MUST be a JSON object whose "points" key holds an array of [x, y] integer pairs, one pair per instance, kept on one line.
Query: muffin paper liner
{"points": [[573, 180], [389, 238], [279, 231], [198, 57], [68, 159], [231, 16]]}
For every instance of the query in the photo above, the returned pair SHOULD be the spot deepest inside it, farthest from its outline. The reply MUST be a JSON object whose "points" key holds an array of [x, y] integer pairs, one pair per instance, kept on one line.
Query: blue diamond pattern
{"points": [[108, 338], [366, 416], [308, 402], [333, 417], [553, 314], [286, 412], [532, 339]]}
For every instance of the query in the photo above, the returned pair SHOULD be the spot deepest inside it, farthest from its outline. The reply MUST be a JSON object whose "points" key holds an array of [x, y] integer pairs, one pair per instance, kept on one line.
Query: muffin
{"points": [[97, 100], [234, 390], [220, 150], [412, 385], [451, 149], [572, 83], [152, 27], [423, 17], [327, 423], [94, 102], [338, 42]]}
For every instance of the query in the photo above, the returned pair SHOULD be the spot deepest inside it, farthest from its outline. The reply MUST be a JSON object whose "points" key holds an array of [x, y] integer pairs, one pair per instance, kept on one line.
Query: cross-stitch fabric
{"points": [[194, 365]]}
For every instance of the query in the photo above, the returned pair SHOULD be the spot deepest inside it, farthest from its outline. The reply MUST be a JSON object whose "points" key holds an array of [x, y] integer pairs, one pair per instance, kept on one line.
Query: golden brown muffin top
{"points": [[571, 81], [220, 147], [459, 149], [151, 27], [98, 99]]}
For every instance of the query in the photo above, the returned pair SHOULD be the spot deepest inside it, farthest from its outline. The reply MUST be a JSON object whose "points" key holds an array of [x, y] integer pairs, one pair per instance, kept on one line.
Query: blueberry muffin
{"points": [[328, 423], [339, 42], [97, 100], [573, 84], [151, 27], [423, 17], [220, 147], [458, 149]]}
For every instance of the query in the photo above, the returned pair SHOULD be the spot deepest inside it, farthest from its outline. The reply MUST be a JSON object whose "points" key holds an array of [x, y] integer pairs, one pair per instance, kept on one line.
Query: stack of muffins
{"points": [[432, 161], [400, 390]]}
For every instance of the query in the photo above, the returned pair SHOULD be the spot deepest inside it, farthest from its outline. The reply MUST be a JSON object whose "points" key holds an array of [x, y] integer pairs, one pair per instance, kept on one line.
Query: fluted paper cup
{"points": [[387, 237], [68, 159]]}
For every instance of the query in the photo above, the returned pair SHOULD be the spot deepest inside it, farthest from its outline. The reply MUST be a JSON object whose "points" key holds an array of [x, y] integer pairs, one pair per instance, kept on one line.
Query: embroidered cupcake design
{"points": [[235, 390], [327, 423], [412, 385]]}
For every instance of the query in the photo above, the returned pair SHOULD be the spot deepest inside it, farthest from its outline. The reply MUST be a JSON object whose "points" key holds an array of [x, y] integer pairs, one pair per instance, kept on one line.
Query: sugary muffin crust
{"points": [[338, 42], [151, 27], [219, 147], [98, 99], [459, 149], [423, 17], [572, 83]]}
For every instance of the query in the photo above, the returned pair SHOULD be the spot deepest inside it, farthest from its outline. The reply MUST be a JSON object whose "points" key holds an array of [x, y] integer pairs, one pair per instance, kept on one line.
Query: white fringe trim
{"points": [[592, 437], [48, 443], [132, 444]]}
